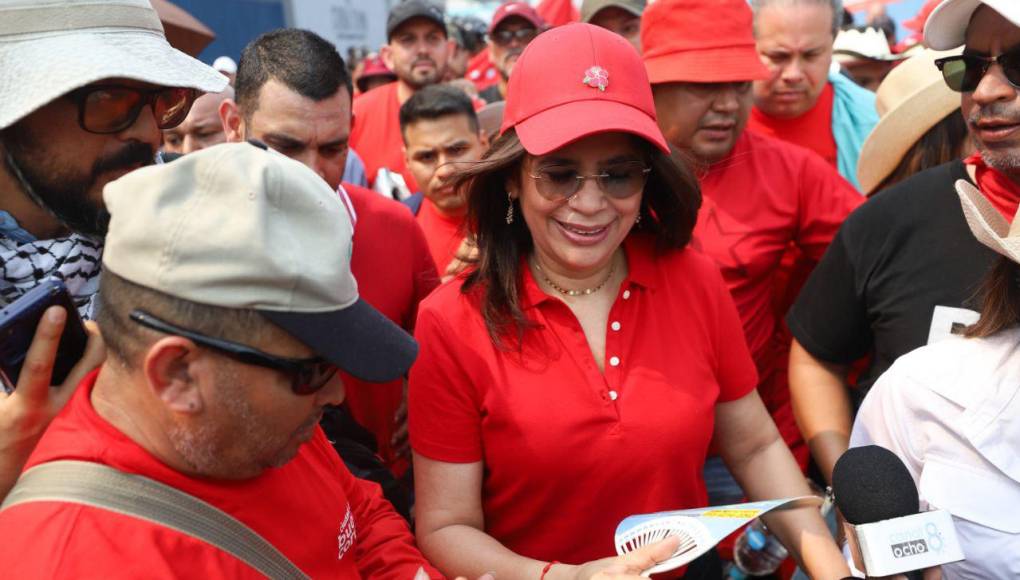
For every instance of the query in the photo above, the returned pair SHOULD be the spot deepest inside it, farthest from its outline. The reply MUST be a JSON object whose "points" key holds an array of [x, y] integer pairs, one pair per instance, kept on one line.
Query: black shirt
{"points": [[902, 272]]}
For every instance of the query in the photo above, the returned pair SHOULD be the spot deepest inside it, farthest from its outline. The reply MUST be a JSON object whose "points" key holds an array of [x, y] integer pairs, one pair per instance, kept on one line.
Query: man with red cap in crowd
{"points": [[760, 194], [800, 100], [514, 25], [416, 51]]}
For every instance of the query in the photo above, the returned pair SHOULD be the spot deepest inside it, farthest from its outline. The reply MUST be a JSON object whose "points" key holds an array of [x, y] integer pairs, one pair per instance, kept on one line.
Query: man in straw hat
{"points": [[904, 268], [227, 307], [85, 88], [761, 194]]}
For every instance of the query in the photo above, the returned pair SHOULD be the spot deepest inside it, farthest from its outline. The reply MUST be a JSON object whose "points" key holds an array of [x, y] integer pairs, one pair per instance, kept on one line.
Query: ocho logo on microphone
{"points": [[913, 542]]}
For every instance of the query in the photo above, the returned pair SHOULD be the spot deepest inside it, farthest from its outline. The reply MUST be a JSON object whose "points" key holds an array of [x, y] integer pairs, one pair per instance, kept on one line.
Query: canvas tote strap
{"points": [[100, 486]]}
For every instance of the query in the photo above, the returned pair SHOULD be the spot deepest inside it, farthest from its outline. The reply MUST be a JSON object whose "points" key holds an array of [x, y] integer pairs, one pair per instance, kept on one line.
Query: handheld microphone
{"points": [[878, 497]]}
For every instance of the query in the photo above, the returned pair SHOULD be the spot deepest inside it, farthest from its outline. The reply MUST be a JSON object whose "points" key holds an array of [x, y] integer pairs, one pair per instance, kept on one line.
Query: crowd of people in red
{"points": [[462, 312]]}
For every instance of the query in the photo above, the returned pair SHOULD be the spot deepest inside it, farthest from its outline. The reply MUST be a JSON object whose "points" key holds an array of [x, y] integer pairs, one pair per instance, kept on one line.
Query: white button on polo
{"points": [[613, 395], [614, 361], [626, 294], [615, 325]]}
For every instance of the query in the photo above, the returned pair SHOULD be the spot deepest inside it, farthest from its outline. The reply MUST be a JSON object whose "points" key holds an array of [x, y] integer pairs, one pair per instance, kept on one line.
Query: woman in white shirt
{"points": [[951, 412]]}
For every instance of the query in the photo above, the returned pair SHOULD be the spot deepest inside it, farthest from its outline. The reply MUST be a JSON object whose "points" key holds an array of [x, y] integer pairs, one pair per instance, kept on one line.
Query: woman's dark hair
{"points": [[941, 144], [1000, 300], [669, 209]]}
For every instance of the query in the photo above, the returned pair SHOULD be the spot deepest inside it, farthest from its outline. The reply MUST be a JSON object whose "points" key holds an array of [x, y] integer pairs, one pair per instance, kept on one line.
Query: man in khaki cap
{"points": [[620, 16], [227, 306]]}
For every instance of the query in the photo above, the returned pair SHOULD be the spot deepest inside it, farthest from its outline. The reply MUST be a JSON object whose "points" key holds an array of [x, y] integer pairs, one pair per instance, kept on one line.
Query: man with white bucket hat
{"points": [[904, 269], [85, 87]]}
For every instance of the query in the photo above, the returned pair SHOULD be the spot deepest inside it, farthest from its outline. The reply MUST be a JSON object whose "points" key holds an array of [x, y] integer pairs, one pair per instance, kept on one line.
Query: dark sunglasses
{"points": [[106, 109], [505, 37], [618, 181], [963, 73], [308, 375]]}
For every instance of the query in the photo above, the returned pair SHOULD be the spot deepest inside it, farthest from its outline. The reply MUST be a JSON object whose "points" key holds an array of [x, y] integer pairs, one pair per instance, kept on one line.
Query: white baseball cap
{"points": [[947, 25], [51, 47], [240, 226]]}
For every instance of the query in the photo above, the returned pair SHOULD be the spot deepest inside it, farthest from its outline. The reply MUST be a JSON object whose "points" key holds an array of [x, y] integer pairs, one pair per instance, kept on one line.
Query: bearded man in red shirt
{"points": [[760, 194]]}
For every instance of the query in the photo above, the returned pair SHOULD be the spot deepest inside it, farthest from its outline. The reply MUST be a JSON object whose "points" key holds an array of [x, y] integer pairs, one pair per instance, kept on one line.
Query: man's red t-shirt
{"points": [[812, 130], [395, 271], [376, 133], [765, 195], [569, 450], [312, 509], [443, 234]]}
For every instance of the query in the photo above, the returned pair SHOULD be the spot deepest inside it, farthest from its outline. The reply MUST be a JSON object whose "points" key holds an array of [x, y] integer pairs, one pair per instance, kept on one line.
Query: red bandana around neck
{"points": [[1000, 190]]}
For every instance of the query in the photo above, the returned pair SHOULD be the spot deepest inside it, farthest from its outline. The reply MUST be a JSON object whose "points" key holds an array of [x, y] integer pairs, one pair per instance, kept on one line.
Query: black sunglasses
{"points": [[505, 37], [106, 109], [308, 375], [963, 73]]}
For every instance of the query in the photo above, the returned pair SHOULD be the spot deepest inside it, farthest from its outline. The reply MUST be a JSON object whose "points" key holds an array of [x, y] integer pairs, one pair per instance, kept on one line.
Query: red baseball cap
{"points": [[577, 80], [698, 41], [520, 9]]}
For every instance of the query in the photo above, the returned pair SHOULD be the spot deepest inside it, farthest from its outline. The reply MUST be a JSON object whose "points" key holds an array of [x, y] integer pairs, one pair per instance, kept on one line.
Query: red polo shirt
{"points": [[569, 451], [312, 509], [812, 130], [765, 195], [376, 133], [443, 234], [395, 271]]}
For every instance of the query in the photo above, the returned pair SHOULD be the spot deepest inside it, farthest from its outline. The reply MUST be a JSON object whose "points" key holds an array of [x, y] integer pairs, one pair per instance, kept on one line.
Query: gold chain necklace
{"points": [[582, 292]]}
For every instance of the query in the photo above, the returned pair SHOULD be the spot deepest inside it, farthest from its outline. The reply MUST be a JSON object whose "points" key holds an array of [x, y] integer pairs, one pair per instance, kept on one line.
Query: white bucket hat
{"points": [[987, 224], [947, 26], [51, 47]]}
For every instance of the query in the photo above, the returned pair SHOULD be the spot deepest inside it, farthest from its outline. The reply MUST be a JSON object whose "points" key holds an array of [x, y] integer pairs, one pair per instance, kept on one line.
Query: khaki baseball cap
{"points": [[589, 8], [239, 226]]}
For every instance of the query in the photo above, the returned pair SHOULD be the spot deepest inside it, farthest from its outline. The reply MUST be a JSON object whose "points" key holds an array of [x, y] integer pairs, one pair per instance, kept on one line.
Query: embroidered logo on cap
{"points": [[597, 78]]}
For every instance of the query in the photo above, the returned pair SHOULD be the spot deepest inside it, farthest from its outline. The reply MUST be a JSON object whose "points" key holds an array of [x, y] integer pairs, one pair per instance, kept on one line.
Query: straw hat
{"points": [[987, 224], [51, 47], [910, 101]]}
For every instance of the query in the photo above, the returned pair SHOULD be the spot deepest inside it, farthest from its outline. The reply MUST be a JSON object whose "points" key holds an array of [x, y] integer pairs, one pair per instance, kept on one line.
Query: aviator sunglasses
{"points": [[308, 375], [963, 73], [111, 108]]}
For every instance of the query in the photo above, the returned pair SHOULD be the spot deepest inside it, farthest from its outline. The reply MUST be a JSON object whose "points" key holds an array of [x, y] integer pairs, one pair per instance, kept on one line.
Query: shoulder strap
{"points": [[104, 487]]}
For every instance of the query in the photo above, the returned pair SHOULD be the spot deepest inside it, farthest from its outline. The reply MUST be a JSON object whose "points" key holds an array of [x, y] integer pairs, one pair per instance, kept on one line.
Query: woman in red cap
{"points": [[578, 373]]}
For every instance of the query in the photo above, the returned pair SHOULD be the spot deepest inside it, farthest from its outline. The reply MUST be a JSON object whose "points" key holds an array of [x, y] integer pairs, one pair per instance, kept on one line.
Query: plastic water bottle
{"points": [[757, 552]]}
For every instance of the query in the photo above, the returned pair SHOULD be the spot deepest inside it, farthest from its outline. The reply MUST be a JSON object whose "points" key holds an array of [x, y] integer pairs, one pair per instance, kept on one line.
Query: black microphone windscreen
{"points": [[871, 484]]}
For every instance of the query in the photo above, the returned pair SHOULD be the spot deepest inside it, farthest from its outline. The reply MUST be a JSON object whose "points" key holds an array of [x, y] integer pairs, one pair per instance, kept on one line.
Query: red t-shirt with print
{"points": [[312, 509], [569, 450], [764, 196]]}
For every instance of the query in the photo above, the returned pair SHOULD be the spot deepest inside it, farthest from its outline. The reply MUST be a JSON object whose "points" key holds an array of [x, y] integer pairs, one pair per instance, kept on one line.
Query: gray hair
{"points": [[836, 5]]}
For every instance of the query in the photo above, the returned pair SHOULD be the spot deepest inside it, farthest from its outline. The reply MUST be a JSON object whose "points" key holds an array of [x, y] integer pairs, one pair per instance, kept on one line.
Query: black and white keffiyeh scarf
{"points": [[75, 260]]}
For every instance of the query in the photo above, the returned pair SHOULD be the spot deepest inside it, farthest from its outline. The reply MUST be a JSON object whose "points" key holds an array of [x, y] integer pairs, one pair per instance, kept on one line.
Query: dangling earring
{"points": [[509, 209], [637, 220]]}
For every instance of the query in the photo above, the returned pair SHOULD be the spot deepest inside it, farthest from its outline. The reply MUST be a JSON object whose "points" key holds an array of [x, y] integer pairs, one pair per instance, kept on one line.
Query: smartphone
{"points": [[18, 323]]}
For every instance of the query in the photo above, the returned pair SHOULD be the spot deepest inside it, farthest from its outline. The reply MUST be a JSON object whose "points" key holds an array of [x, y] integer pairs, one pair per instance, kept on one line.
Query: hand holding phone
{"points": [[25, 413]]}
